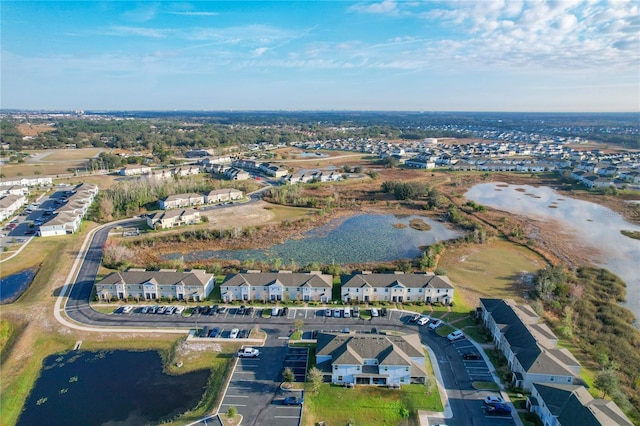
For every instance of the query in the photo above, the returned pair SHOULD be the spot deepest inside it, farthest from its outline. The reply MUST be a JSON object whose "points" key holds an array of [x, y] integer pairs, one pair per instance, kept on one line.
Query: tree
{"points": [[315, 379], [298, 324], [232, 411], [288, 376], [607, 382]]}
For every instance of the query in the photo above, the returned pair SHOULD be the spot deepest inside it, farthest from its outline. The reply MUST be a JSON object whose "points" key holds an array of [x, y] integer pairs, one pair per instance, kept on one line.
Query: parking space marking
{"points": [[236, 405], [236, 396]]}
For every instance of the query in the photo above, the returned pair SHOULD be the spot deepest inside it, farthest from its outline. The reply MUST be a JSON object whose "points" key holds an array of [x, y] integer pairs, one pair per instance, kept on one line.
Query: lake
{"points": [[588, 224], [12, 286], [113, 388], [356, 239]]}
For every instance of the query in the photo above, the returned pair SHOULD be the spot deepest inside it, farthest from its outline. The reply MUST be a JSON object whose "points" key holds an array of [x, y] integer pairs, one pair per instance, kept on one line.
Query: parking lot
{"points": [[254, 387], [476, 368]]}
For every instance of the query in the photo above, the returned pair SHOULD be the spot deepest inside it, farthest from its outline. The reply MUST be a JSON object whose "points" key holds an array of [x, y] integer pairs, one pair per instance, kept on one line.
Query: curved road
{"points": [[463, 400]]}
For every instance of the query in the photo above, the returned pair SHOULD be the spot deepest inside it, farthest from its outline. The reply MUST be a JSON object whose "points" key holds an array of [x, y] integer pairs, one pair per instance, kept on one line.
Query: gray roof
{"points": [[425, 280], [530, 354], [192, 278], [183, 197], [386, 349], [574, 405], [170, 214], [285, 279]]}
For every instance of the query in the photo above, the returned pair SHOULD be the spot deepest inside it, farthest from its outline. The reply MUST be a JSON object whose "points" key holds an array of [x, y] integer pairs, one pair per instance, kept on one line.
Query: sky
{"points": [[484, 55]]}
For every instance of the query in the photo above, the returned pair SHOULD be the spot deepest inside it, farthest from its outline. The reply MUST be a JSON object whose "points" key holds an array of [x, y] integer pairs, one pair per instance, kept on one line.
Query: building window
{"points": [[339, 378], [335, 367], [408, 290], [406, 369], [386, 290], [551, 379], [358, 367], [386, 368]]}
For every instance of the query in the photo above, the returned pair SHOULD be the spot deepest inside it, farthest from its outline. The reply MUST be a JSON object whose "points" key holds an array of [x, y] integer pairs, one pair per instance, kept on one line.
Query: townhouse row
{"points": [[67, 217], [539, 366], [254, 285]]}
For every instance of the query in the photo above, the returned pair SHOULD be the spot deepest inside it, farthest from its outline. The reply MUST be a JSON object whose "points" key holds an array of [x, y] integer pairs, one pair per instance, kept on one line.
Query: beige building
{"points": [[181, 200], [153, 285], [9, 204], [172, 218], [224, 194], [277, 286], [134, 169], [396, 287]]}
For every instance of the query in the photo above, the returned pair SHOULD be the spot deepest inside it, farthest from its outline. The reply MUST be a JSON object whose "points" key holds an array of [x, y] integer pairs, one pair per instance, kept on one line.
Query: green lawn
{"points": [[367, 405]]}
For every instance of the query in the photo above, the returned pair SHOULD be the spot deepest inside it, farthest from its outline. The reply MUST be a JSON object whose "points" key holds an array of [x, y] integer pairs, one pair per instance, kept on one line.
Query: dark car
{"points": [[498, 409], [383, 312], [284, 311], [205, 310], [292, 400], [215, 332], [414, 318], [241, 310], [222, 309], [244, 334], [471, 355], [214, 310], [195, 311], [249, 310]]}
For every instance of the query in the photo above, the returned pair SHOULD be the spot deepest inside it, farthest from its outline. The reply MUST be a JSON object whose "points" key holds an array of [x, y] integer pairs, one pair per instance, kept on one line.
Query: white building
{"points": [[396, 287], [277, 286], [9, 204]]}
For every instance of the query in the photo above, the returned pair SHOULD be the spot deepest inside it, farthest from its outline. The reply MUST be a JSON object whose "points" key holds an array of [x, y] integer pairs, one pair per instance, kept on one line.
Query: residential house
{"points": [[371, 359], [172, 218], [566, 405], [181, 200], [396, 287], [194, 285], [530, 347], [26, 181], [61, 224], [234, 173], [134, 169], [224, 194], [14, 190], [277, 286], [9, 204], [272, 170]]}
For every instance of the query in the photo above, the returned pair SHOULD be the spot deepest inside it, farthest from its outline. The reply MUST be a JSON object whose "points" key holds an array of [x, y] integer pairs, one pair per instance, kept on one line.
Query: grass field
{"points": [[368, 405], [71, 154], [491, 270]]}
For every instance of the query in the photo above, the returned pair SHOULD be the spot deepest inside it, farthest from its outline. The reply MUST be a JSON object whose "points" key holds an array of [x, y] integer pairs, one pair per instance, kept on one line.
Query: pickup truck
{"points": [[248, 353]]}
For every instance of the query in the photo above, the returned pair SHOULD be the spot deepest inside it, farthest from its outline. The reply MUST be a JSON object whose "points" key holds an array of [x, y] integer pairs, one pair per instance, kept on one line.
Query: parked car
{"points": [[222, 310], [248, 353], [374, 312], [127, 309], [292, 400], [493, 399], [455, 335], [275, 311], [347, 312], [170, 310], [249, 310], [423, 320], [234, 333], [414, 318], [327, 312], [144, 310], [383, 312], [498, 409], [241, 310], [471, 355], [213, 310], [195, 311], [153, 309], [178, 310], [284, 311], [337, 312], [356, 312], [244, 334], [435, 324], [161, 309], [215, 332]]}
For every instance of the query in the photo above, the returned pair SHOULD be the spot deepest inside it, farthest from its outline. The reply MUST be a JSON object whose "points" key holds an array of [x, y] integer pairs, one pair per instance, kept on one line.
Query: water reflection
{"points": [[591, 225], [12, 286], [357, 239]]}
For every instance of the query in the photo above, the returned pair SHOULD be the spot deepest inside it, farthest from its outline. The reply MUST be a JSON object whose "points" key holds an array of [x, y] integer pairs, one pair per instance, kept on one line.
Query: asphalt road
{"points": [[457, 374]]}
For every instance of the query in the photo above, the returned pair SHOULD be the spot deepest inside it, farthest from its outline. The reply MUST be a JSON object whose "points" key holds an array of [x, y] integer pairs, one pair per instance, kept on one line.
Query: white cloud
{"points": [[386, 7], [195, 13]]}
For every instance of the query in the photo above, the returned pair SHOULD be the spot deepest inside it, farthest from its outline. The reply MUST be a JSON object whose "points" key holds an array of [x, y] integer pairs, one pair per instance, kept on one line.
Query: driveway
{"points": [[254, 387]]}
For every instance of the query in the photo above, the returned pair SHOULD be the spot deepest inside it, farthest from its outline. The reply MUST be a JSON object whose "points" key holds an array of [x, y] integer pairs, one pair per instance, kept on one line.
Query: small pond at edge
{"points": [[12, 286], [115, 387]]}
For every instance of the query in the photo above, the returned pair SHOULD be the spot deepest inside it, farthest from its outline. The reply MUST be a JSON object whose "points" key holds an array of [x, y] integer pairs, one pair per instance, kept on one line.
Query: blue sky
{"points": [[486, 55]]}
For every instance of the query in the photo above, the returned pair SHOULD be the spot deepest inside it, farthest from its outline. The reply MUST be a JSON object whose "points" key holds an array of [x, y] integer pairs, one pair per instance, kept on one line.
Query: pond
{"points": [[588, 224], [356, 239], [12, 286], [115, 387]]}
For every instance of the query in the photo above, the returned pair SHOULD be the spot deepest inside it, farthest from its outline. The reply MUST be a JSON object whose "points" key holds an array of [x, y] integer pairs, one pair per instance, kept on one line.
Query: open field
{"points": [[66, 155], [366, 405], [496, 269], [34, 129]]}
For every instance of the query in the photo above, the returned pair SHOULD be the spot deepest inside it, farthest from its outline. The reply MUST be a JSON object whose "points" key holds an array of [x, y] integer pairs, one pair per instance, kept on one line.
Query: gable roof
{"points": [[573, 404], [418, 280], [287, 279], [194, 277]]}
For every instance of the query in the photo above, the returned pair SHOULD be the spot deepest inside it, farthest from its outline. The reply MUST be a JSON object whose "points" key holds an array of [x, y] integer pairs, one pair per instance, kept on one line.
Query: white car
{"points": [[374, 312], [493, 399], [234, 333], [179, 310], [127, 309], [435, 324], [423, 320], [455, 335]]}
